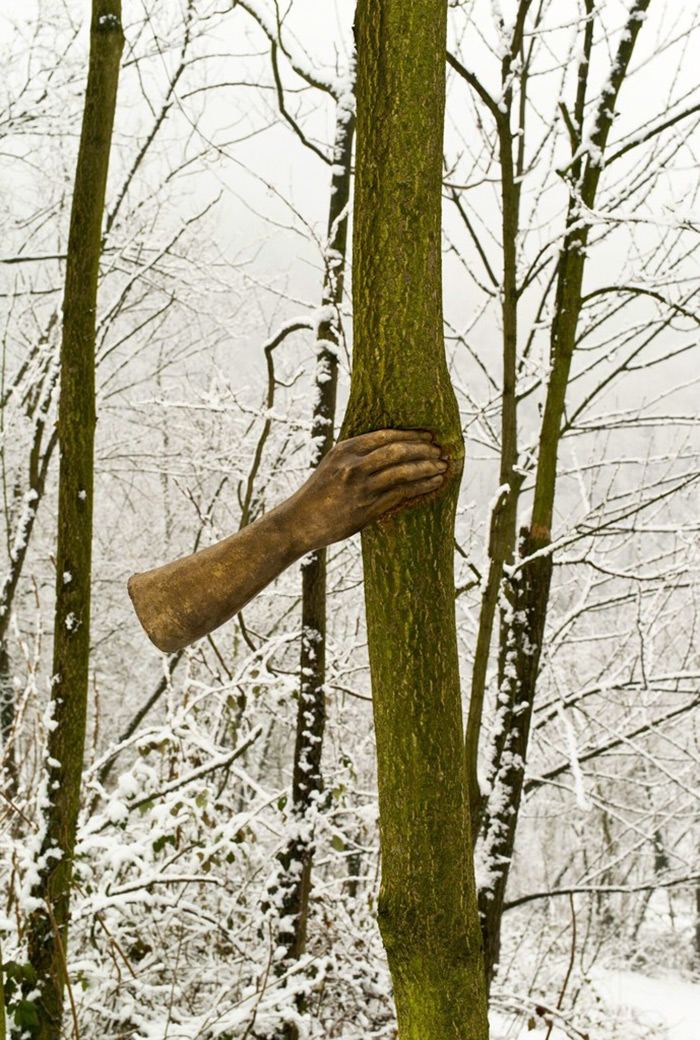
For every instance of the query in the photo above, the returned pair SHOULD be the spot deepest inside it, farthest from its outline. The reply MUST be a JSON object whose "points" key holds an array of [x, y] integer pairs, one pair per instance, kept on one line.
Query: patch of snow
{"points": [[108, 21], [117, 811], [671, 1005], [581, 796], [502, 1029], [128, 785]]}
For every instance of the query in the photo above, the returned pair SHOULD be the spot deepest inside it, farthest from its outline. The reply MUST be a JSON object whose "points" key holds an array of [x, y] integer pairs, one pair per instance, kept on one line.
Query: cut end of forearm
{"points": [[158, 621]]}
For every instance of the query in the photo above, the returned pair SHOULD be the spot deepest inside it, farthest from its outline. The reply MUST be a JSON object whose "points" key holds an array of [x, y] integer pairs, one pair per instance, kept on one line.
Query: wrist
{"points": [[293, 533]]}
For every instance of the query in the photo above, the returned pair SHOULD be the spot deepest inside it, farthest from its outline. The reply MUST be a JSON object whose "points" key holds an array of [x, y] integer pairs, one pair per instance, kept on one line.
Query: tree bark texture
{"points": [[48, 924], [427, 903], [3, 1018], [36, 404], [526, 595], [503, 521], [307, 783]]}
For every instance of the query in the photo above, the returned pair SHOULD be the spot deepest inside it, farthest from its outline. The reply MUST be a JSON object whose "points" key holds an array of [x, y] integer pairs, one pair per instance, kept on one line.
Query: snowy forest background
{"points": [[215, 248]]}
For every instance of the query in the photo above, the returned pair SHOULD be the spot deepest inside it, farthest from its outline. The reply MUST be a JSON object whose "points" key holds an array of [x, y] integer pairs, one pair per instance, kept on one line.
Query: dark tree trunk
{"points": [[40, 455], [307, 784], [520, 649], [47, 931], [527, 594]]}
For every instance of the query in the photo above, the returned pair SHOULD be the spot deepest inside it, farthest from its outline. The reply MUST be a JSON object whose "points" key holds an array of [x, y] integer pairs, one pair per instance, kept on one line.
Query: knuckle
{"points": [[346, 469], [391, 453]]}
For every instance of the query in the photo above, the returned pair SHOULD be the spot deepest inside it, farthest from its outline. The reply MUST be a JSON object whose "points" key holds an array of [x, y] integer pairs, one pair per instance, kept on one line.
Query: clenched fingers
{"points": [[406, 493], [365, 443], [407, 473], [391, 455]]}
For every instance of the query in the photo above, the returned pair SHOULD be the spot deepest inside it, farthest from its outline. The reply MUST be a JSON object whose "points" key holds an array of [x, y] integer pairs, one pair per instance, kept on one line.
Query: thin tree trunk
{"points": [[296, 859], [427, 903], [307, 783], [38, 469], [8, 774], [48, 924], [526, 595], [3, 1018], [527, 592], [697, 925], [503, 520]]}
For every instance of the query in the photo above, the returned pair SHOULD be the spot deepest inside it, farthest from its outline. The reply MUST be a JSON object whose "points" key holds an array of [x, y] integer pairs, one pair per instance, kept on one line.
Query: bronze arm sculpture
{"points": [[358, 481]]}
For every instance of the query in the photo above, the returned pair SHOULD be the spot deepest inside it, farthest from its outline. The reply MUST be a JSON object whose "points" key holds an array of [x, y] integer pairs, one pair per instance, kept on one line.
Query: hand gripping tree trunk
{"points": [[48, 925], [427, 905]]}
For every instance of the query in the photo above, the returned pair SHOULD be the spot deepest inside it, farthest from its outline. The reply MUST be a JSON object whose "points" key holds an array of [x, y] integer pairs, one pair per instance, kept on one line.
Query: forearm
{"points": [[356, 482], [188, 598]]}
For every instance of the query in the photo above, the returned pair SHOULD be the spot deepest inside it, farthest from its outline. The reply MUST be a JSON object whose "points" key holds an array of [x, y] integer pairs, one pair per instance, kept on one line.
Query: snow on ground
{"points": [[671, 1004], [665, 1009], [503, 1028]]}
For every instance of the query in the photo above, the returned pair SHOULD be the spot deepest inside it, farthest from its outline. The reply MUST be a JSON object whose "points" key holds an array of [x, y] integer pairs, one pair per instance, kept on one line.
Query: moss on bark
{"points": [[427, 905], [48, 925]]}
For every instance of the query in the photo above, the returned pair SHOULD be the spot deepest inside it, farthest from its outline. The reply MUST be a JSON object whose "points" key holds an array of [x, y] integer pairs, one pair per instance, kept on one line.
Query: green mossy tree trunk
{"points": [[427, 903], [47, 931]]}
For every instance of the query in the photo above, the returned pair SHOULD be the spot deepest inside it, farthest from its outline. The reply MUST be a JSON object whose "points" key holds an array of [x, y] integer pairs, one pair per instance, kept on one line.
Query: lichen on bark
{"points": [[427, 905]]}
